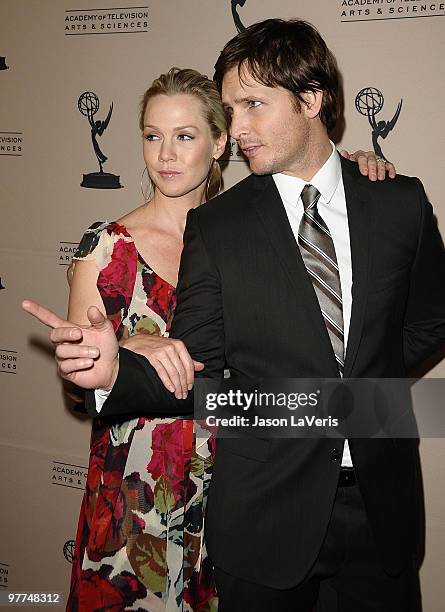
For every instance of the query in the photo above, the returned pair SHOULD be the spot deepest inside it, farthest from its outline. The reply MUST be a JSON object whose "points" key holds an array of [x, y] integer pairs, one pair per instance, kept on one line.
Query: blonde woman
{"points": [[140, 536]]}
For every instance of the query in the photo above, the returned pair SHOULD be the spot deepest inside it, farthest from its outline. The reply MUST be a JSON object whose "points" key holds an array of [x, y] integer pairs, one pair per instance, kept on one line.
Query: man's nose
{"points": [[239, 127]]}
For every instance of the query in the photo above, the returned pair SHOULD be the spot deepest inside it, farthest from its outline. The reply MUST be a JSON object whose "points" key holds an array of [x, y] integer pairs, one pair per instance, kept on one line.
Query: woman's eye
{"points": [[185, 137], [150, 137]]}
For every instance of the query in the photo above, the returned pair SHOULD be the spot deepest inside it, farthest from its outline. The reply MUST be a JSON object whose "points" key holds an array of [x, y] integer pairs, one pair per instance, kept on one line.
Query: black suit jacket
{"points": [[245, 302]]}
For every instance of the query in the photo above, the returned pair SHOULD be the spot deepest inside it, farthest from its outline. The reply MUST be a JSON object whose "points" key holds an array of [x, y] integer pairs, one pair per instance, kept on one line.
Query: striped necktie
{"points": [[318, 253]]}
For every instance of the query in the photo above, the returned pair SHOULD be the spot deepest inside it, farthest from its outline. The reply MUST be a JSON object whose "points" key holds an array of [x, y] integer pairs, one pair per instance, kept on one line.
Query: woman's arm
{"points": [[82, 279], [83, 292]]}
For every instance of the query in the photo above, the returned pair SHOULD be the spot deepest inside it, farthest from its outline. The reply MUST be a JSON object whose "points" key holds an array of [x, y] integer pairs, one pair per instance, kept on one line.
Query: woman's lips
{"points": [[169, 173]]}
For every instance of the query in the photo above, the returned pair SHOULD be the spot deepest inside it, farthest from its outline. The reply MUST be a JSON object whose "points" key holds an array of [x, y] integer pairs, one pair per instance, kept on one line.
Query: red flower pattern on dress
{"points": [[105, 532], [172, 451], [127, 498], [116, 281], [160, 295], [200, 590], [100, 593], [117, 278]]}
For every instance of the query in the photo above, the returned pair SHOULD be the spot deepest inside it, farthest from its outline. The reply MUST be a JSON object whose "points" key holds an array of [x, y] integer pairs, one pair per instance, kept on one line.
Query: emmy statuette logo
{"points": [[2, 286], [4, 575], [368, 102], [236, 18], [88, 105], [3, 65]]}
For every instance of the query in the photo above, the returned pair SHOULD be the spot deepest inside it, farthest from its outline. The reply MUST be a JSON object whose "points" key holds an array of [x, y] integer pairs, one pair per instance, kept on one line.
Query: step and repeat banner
{"points": [[72, 73]]}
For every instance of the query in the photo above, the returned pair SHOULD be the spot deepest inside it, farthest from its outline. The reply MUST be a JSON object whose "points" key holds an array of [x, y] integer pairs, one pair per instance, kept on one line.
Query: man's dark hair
{"points": [[289, 54]]}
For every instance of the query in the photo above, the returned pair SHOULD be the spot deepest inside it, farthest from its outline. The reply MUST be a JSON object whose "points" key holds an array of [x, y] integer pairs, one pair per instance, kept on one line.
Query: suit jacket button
{"points": [[335, 454]]}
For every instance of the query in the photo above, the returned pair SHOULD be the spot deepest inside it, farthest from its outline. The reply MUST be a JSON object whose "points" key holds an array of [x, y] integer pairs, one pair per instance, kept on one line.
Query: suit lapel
{"points": [[273, 217], [359, 219]]}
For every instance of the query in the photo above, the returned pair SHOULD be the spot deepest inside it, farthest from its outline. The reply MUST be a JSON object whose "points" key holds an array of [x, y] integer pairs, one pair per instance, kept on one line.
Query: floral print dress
{"points": [[139, 543]]}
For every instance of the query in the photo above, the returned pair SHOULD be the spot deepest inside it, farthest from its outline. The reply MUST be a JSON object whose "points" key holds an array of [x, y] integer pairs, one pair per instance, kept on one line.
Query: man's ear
{"points": [[312, 101]]}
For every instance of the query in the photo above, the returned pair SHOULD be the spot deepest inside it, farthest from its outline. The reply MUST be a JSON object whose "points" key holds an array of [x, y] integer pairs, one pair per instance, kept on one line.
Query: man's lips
{"points": [[250, 150]]}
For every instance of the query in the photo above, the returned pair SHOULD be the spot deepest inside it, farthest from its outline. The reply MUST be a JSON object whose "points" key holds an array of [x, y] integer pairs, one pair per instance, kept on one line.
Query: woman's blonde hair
{"points": [[192, 82]]}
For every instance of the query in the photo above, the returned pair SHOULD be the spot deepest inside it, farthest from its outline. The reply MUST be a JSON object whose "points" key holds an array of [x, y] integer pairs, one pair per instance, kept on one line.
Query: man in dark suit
{"points": [[303, 270]]}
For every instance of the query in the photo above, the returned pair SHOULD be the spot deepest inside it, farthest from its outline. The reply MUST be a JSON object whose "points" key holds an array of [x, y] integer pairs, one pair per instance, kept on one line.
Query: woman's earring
{"points": [[150, 185], [210, 176], [220, 176]]}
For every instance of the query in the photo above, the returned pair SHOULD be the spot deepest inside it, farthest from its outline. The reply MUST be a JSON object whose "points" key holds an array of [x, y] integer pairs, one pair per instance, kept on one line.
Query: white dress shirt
{"points": [[100, 395], [332, 208]]}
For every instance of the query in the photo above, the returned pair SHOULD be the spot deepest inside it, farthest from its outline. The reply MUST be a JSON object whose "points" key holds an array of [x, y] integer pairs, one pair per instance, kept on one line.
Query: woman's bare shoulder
{"points": [[131, 219]]}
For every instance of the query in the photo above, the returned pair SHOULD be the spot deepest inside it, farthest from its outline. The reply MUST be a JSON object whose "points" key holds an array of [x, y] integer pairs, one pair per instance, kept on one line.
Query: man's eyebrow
{"points": [[243, 99], [239, 101]]}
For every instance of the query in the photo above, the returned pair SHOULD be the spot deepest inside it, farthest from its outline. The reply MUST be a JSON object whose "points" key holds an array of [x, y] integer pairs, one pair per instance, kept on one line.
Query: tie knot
{"points": [[310, 196]]}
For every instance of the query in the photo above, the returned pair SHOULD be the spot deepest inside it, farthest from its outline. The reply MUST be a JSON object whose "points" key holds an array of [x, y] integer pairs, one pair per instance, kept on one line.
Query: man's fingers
{"points": [[44, 315], [67, 367], [345, 154], [65, 334], [76, 351], [96, 318]]}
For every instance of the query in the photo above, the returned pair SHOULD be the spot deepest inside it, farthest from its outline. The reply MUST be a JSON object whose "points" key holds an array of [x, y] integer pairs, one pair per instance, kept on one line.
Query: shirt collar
{"points": [[326, 180]]}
